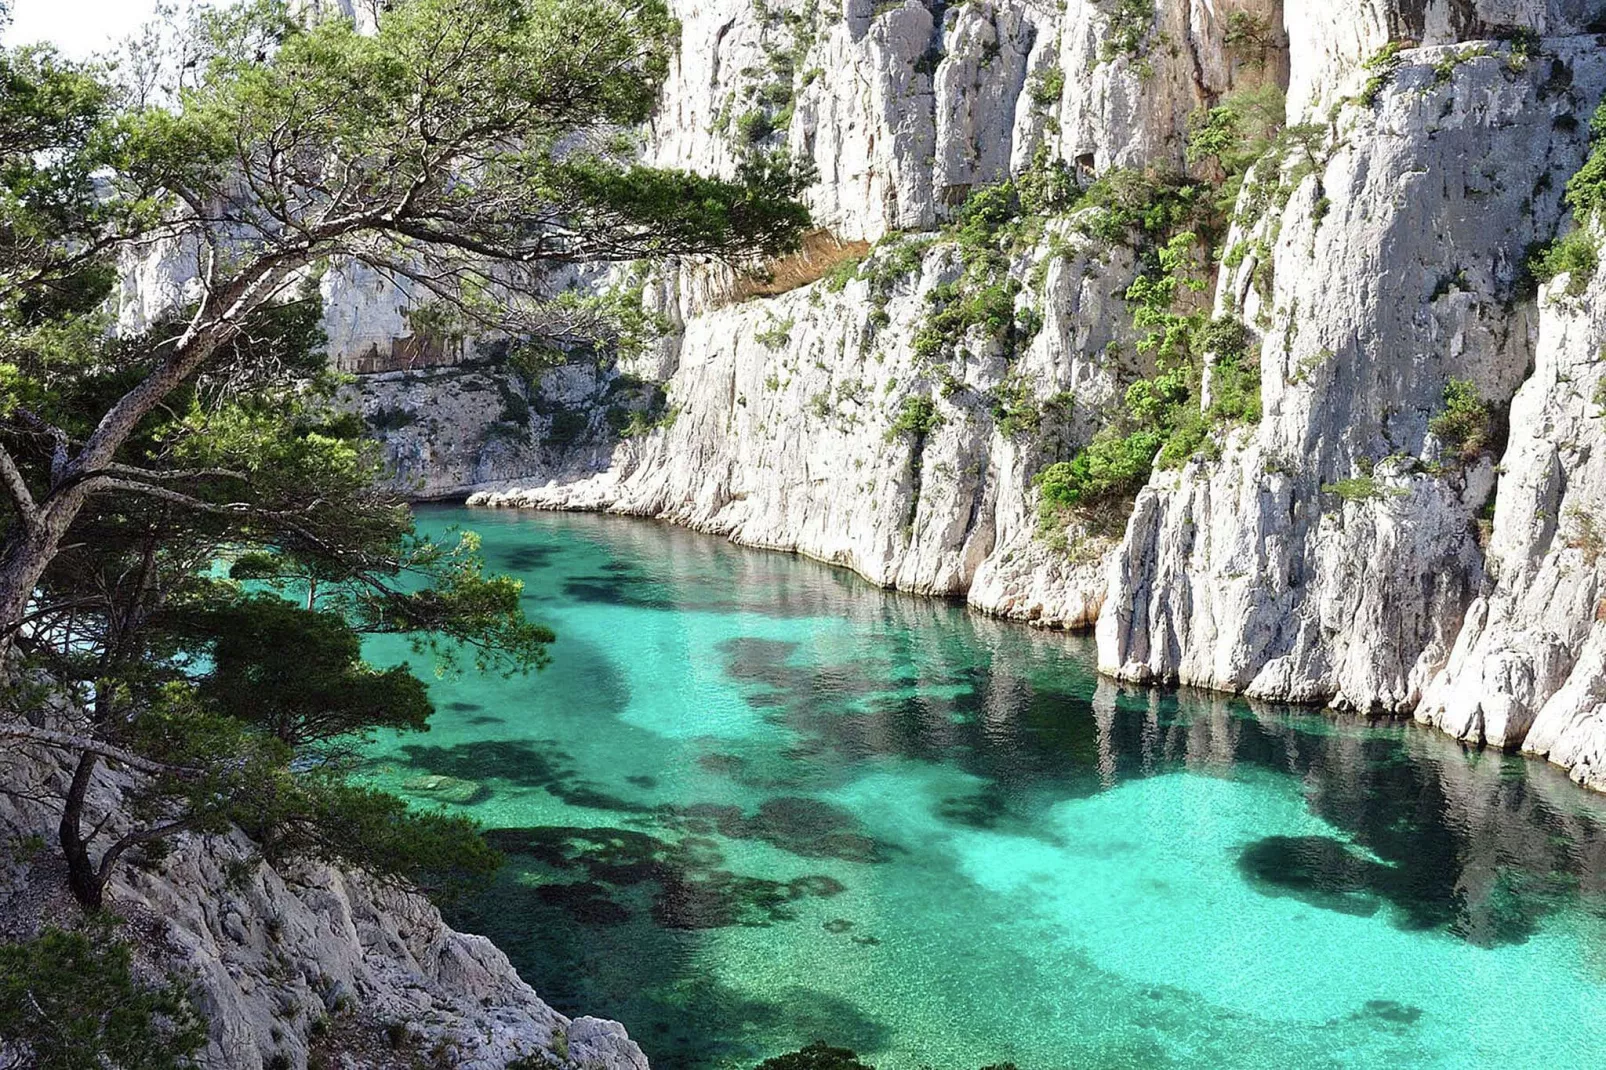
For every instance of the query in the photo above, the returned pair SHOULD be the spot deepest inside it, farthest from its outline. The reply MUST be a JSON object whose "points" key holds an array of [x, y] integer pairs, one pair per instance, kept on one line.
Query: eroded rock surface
{"points": [[289, 961]]}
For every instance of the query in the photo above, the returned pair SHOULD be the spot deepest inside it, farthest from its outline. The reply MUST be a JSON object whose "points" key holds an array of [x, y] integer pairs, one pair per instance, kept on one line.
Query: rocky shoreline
{"points": [[295, 967]]}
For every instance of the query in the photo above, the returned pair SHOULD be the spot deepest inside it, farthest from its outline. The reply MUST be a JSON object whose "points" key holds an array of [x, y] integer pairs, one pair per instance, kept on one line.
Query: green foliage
{"points": [[1382, 66], [1162, 422], [1112, 465], [323, 817], [1362, 488], [1466, 424], [565, 427], [1047, 86], [70, 1000], [983, 298], [775, 334], [1015, 408], [1523, 43], [1233, 136], [1142, 207], [1444, 70], [917, 416], [639, 407], [1130, 23], [297, 673], [1586, 190], [767, 92], [1250, 37], [816, 1056], [957, 309], [1234, 371], [1047, 186], [1576, 255], [839, 277]]}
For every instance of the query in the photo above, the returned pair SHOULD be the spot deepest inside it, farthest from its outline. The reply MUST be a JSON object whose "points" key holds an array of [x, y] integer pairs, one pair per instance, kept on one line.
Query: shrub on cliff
{"points": [[69, 1000], [1466, 422]]}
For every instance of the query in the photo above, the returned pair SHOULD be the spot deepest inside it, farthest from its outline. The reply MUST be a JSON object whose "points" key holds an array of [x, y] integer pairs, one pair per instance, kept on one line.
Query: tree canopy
{"points": [[193, 538]]}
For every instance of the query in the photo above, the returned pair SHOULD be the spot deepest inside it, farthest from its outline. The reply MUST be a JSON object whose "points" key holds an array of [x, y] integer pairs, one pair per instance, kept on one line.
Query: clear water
{"points": [[756, 802]]}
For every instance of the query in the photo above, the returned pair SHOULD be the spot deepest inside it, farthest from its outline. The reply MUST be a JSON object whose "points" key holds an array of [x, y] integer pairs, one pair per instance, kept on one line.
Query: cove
{"points": [[755, 801]]}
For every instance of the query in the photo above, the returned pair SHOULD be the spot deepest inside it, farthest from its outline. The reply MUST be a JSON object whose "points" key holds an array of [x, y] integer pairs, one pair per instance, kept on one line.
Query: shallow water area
{"points": [[756, 801]]}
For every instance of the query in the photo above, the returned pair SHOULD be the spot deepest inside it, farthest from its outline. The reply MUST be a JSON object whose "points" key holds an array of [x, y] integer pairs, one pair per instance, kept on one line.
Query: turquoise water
{"points": [[755, 802]]}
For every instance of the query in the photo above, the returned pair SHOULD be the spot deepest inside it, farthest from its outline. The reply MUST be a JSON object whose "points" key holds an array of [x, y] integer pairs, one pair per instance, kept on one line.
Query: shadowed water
{"points": [[756, 802]]}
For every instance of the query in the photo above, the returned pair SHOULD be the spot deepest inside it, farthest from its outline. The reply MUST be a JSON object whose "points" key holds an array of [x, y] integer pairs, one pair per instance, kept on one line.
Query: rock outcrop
{"points": [[1394, 269], [287, 962], [1529, 666], [792, 427]]}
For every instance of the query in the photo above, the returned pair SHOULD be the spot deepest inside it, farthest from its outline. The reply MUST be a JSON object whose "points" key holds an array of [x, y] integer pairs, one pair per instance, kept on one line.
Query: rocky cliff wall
{"points": [[1529, 666], [1394, 268], [295, 961], [1332, 552], [1336, 550]]}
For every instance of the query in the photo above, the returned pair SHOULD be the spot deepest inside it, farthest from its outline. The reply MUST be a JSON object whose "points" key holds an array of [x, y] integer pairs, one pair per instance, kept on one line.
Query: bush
{"points": [[1464, 425], [918, 416], [1586, 190], [1129, 24], [439, 854], [1108, 467], [567, 427], [1577, 256], [70, 1000], [1047, 86], [1359, 489]]}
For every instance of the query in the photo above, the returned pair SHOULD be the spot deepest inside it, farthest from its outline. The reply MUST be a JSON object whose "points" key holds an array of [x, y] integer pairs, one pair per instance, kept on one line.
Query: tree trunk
{"points": [[86, 881], [26, 554]]}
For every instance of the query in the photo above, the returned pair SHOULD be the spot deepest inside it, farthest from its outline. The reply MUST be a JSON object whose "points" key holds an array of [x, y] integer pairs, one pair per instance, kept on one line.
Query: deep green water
{"points": [[755, 801]]}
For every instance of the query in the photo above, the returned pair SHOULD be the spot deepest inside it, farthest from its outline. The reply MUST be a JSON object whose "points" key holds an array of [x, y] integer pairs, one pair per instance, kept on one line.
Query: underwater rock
{"points": [[447, 788]]}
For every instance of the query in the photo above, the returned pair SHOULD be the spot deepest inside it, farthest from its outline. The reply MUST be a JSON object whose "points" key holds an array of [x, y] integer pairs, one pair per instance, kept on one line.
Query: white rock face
{"points": [[1327, 41], [1529, 668], [783, 435], [1393, 272], [280, 957], [905, 107], [1393, 268]]}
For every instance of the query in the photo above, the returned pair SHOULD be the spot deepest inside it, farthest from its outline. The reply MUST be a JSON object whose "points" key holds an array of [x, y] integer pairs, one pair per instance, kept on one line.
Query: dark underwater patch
{"points": [[1328, 873], [693, 889], [1390, 1011], [1318, 870], [528, 557], [616, 590], [522, 763], [809, 828]]}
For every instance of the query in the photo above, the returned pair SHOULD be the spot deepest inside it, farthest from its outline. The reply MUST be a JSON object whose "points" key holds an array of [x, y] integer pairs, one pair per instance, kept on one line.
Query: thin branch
{"points": [[17, 487], [82, 744]]}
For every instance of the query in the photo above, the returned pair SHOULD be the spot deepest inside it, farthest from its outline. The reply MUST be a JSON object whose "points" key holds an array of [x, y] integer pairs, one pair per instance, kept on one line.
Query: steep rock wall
{"points": [[787, 429], [1394, 269], [905, 107], [1529, 667]]}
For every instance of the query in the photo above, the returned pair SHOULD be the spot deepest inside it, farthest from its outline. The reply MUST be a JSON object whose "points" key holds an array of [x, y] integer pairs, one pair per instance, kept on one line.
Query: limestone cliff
{"points": [[302, 960], [1335, 550]]}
